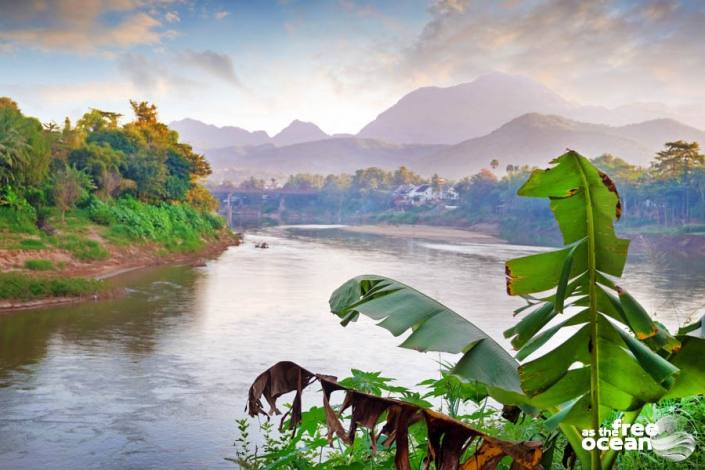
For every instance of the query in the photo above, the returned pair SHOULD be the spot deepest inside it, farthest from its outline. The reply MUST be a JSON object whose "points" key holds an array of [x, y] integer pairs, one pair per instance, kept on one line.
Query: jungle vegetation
{"points": [[83, 187]]}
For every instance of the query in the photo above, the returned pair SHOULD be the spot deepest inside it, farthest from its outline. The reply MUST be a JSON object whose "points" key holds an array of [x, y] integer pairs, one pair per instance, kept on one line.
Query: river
{"points": [[155, 379]]}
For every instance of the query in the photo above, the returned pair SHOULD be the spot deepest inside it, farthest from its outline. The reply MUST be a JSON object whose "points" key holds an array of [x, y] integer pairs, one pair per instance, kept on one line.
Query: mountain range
{"points": [[454, 131], [534, 139], [207, 136]]}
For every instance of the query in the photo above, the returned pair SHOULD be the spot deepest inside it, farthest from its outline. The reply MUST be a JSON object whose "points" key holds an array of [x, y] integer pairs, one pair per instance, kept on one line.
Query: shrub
{"points": [[178, 227], [39, 264], [100, 212]]}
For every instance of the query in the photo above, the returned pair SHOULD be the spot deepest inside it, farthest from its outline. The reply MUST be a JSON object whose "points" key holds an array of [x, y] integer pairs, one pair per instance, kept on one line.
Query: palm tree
{"points": [[14, 151]]}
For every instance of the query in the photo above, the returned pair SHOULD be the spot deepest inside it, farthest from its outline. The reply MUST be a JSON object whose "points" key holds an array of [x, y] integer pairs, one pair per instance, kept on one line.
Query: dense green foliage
{"points": [[79, 192], [47, 166], [177, 227]]}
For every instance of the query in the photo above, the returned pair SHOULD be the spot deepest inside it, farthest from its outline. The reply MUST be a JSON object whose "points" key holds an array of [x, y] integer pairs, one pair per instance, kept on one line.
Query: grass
{"points": [[17, 221], [81, 248], [31, 244], [39, 265], [23, 287]]}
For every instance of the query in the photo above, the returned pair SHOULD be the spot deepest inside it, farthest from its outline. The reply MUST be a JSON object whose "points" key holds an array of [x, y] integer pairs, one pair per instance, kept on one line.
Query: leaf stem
{"points": [[592, 295]]}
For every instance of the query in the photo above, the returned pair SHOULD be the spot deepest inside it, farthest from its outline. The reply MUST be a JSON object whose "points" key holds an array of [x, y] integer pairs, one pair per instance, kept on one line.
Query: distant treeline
{"points": [[669, 195], [47, 168]]}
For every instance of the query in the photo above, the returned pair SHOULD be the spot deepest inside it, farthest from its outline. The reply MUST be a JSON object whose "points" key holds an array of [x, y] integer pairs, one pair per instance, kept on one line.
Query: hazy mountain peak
{"points": [[297, 132], [207, 136], [456, 113]]}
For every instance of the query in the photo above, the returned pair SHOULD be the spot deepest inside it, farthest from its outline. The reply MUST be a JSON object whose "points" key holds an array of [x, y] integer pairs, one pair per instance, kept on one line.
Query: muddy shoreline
{"points": [[133, 259]]}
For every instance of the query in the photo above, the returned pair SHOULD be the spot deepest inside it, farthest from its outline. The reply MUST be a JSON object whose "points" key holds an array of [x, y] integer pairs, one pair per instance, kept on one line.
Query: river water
{"points": [[156, 379]]}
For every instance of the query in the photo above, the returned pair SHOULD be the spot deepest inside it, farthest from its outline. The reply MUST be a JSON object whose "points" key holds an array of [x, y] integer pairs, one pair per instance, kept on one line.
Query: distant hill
{"points": [[204, 136], [453, 114], [333, 155], [534, 139], [298, 132]]}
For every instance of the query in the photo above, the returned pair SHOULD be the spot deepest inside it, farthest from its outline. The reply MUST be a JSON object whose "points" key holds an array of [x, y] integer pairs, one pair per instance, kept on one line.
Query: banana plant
{"points": [[613, 357]]}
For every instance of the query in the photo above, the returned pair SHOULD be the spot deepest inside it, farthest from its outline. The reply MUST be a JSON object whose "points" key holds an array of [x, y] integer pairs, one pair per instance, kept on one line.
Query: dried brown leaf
{"points": [[448, 439]]}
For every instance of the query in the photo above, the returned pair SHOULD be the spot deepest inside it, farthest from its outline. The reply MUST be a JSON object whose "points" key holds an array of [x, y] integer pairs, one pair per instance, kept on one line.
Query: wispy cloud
{"points": [[153, 76], [219, 15], [82, 25], [172, 16], [173, 72], [218, 65]]}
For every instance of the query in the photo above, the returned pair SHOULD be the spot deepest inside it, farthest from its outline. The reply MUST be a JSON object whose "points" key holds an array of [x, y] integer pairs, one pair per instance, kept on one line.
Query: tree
{"points": [[372, 178], [96, 120], [70, 186], [304, 182], [678, 160], [101, 162], [24, 148], [404, 176], [252, 184], [200, 198], [494, 163]]}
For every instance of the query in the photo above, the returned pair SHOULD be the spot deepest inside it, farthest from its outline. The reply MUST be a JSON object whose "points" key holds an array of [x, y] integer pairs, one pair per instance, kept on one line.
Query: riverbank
{"points": [[72, 256], [88, 281], [485, 233]]}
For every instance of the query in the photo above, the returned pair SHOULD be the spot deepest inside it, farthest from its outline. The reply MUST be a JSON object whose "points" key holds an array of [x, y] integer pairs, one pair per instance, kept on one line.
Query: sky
{"points": [[339, 63]]}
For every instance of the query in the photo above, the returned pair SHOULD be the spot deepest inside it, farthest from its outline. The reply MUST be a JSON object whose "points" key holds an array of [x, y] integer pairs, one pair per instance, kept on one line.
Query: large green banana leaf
{"points": [[434, 327], [614, 356]]}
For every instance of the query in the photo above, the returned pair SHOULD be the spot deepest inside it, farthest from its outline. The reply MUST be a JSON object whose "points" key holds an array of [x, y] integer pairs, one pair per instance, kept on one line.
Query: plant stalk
{"points": [[592, 295]]}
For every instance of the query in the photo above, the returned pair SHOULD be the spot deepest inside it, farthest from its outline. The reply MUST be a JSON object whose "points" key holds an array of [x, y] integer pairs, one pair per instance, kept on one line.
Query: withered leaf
{"points": [[448, 438]]}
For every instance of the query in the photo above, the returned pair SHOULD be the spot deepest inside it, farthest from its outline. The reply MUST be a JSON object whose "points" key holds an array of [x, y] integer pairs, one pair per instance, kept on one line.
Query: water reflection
{"points": [[155, 379]]}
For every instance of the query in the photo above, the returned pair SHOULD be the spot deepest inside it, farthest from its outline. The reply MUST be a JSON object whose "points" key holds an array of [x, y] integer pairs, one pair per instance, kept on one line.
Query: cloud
{"points": [[213, 63], [221, 14], [589, 50], [81, 25], [172, 16], [153, 76], [160, 74]]}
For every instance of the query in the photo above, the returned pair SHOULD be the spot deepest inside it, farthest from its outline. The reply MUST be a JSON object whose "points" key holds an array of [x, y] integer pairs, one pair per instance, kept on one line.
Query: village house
{"points": [[418, 195]]}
